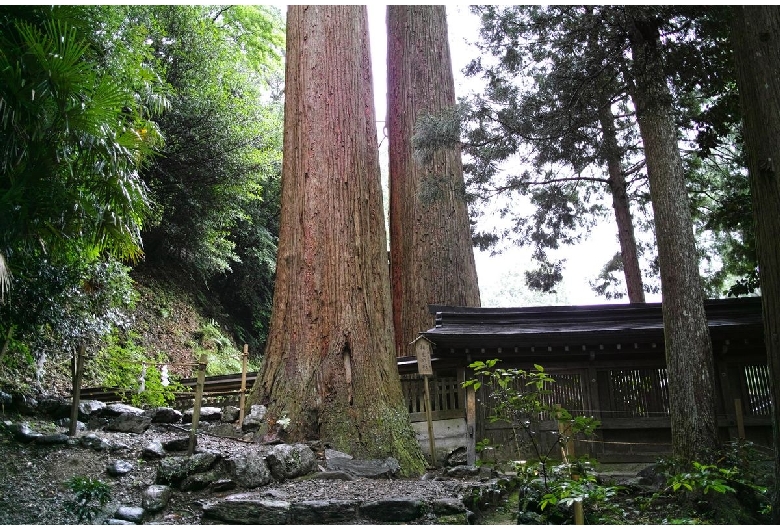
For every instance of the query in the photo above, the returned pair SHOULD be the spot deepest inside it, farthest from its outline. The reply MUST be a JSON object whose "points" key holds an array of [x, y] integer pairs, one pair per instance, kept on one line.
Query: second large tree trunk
{"points": [[757, 47], [687, 340], [329, 370], [431, 254]]}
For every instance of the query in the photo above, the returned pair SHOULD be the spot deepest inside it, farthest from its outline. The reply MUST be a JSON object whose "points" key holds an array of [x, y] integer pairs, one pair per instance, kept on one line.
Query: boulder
{"points": [[23, 433], [322, 512], [94, 442], [255, 419], [134, 514], [155, 498], [89, 408], [290, 461], [249, 469], [129, 422], [248, 508], [457, 457], [178, 444], [117, 409], [398, 510], [117, 522], [164, 415], [448, 506], [153, 451], [230, 414], [386, 468], [198, 481], [65, 422], [53, 439], [462, 471], [206, 414], [174, 469], [117, 468]]}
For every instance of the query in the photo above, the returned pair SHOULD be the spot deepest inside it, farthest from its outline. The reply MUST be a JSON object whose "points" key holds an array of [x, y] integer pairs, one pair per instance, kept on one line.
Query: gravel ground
{"points": [[33, 490]]}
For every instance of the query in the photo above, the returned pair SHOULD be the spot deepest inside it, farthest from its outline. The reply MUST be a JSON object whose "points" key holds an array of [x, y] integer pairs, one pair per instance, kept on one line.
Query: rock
{"points": [[117, 521], [52, 439], [650, 476], [155, 498], [174, 469], [223, 484], [117, 409], [458, 457], [164, 415], [129, 422], [25, 405], [386, 468], [117, 468], [448, 506], [94, 442], [89, 408], [332, 453], [178, 444], [323, 512], [134, 514], [23, 433], [290, 461], [225, 430], [153, 451], [198, 481], [248, 508], [332, 475], [53, 407], [206, 414], [462, 471], [65, 422], [250, 469], [398, 510], [255, 419], [230, 414]]}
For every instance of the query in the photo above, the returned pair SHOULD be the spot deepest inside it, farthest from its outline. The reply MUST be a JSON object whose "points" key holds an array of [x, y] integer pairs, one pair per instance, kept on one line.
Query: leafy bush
{"points": [[124, 365], [90, 495], [520, 399]]}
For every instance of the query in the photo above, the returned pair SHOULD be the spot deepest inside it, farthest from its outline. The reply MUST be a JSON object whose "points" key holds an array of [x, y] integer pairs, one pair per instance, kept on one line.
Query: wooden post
{"points": [[471, 421], [422, 350], [198, 399], [740, 419], [431, 438], [78, 374], [242, 396]]}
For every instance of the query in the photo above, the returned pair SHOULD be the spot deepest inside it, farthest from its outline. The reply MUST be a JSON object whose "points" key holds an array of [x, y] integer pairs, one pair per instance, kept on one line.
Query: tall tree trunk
{"points": [[330, 364], [617, 185], [688, 345], [431, 253], [757, 48]]}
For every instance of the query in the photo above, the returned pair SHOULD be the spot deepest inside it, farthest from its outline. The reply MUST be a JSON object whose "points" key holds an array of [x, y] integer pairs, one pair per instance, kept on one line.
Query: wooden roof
{"points": [[579, 328]]}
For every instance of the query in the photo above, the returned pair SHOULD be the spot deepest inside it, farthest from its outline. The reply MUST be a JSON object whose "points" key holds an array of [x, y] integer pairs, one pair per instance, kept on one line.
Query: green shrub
{"points": [[90, 495], [124, 365]]}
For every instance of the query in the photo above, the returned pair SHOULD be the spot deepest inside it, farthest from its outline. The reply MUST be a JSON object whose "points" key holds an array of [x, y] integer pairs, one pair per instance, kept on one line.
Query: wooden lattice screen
{"points": [[637, 393], [757, 397], [446, 396]]}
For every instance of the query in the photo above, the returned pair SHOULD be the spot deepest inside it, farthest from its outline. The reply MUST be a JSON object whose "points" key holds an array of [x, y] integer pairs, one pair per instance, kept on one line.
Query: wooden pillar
{"points": [[242, 396], [471, 420], [78, 375], [198, 399], [429, 419]]}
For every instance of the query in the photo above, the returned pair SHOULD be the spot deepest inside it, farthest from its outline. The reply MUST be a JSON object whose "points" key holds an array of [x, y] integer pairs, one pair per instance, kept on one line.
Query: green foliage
{"points": [[521, 399], [90, 495], [730, 490], [223, 356], [124, 365]]}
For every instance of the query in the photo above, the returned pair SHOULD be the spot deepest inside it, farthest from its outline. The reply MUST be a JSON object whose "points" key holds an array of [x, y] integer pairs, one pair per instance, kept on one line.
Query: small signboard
{"points": [[422, 350]]}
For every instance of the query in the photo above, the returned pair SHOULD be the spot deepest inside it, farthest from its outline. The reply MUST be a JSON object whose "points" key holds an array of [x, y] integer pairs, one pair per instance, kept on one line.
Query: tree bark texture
{"points": [[330, 364], [625, 223], [431, 253], [687, 340], [756, 32]]}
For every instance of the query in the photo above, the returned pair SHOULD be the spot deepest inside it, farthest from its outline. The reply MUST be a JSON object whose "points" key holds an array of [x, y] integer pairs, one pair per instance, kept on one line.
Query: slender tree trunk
{"points": [[330, 365], [688, 345], [625, 224], [431, 253], [757, 48]]}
